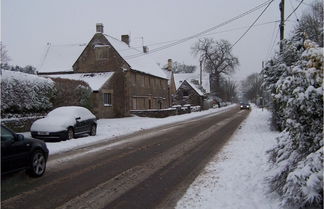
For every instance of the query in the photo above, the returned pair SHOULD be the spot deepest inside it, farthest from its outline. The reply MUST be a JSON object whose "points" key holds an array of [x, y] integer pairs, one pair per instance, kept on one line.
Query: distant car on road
{"points": [[246, 106], [65, 123], [18, 153]]}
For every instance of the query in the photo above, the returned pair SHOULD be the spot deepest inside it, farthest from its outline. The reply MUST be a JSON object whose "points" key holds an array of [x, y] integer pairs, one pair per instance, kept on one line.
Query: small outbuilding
{"points": [[189, 93]]}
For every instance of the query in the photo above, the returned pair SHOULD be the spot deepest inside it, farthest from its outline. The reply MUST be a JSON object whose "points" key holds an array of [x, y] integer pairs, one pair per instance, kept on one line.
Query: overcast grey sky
{"points": [[26, 26]]}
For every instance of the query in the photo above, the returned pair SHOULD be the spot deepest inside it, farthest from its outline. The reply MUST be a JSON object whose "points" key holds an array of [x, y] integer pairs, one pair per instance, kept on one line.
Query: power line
{"points": [[294, 10], [209, 34], [274, 41], [310, 5], [203, 32], [240, 28], [292, 7], [251, 25]]}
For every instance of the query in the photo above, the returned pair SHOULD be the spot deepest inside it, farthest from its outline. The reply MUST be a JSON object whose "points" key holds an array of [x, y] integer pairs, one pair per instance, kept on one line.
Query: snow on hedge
{"points": [[23, 93], [297, 170]]}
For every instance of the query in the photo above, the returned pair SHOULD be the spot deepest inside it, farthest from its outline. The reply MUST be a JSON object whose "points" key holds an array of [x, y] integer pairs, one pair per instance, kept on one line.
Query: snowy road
{"points": [[147, 170]]}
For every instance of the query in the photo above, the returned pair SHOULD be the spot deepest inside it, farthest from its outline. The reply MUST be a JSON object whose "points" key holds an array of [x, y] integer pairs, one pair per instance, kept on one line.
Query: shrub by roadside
{"points": [[25, 94], [72, 93]]}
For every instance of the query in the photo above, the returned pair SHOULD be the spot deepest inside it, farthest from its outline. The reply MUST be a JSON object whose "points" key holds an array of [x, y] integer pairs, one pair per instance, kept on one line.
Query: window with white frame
{"points": [[107, 99]]}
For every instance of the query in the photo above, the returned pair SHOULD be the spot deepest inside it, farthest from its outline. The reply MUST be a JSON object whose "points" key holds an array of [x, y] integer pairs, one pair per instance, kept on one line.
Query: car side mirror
{"points": [[78, 118], [20, 137]]}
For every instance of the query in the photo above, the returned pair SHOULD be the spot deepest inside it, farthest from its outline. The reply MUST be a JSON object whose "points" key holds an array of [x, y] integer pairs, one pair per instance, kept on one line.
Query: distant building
{"points": [[189, 93], [121, 77]]}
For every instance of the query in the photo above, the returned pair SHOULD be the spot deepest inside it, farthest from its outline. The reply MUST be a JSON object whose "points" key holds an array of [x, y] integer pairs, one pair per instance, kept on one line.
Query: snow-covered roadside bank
{"points": [[108, 129], [234, 179]]}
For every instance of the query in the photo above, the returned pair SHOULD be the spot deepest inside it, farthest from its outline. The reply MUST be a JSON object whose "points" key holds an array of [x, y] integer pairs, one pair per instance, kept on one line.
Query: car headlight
{"points": [[241, 105]]}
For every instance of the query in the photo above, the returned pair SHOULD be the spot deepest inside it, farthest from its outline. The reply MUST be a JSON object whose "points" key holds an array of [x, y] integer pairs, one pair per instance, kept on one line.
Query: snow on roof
{"points": [[23, 77], [180, 77], [60, 58], [196, 89], [143, 63], [95, 80]]}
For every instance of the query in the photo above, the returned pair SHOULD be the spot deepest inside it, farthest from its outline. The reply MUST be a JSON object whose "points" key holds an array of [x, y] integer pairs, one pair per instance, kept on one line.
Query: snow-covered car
{"points": [[65, 123]]}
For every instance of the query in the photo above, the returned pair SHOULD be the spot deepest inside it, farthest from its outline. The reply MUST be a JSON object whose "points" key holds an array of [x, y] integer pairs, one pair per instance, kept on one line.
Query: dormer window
{"points": [[101, 51]]}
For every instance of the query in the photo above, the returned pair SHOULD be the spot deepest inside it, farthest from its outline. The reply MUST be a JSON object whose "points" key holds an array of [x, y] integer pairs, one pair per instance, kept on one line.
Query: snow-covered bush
{"points": [[25, 94], [297, 172], [295, 79], [72, 93], [273, 71]]}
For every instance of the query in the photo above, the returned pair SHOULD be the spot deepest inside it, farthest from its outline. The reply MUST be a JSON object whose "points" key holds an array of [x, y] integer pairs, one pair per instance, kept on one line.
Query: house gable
{"points": [[187, 87], [99, 56]]}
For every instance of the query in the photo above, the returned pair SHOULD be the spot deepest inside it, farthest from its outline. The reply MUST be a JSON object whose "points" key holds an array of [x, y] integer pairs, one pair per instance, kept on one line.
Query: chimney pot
{"points": [[99, 28], [125, 39]]}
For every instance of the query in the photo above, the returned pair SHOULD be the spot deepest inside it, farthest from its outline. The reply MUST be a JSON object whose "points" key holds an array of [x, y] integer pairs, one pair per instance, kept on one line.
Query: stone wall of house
{"points": [[147, 92], [116, 87]]}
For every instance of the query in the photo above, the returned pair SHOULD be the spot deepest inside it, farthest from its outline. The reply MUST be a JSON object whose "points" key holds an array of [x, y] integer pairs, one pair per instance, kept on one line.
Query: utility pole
{"points": [[282, 23]]}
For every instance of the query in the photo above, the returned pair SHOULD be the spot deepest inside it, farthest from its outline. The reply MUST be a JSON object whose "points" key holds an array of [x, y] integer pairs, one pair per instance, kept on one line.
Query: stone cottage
{"points": [[189, 93], [121, 77]]}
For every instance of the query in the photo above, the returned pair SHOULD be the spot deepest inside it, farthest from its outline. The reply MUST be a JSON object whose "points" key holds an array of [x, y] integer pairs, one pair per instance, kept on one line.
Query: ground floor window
{"points": [[107, 99]]}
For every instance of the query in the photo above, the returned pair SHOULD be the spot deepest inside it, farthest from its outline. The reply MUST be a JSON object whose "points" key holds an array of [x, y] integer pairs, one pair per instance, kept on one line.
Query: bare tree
{"points": [[252, 87], [4, 54], [217, 59], [229, 88], [310, 25]]}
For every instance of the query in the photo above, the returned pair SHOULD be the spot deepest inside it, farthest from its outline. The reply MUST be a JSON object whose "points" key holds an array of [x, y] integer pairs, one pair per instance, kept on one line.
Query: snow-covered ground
{"points": [[234, 179], [109, 129]]}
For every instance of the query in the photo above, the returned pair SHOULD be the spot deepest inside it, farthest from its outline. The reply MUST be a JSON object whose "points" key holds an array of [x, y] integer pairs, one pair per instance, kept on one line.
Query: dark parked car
{"points": [[18, 153], [65, 123], [246, 106]]}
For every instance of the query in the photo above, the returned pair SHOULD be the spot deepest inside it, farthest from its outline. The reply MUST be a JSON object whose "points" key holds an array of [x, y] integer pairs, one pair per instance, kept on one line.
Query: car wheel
{"points": [[93, 130], [70, 134], [37, 164]]}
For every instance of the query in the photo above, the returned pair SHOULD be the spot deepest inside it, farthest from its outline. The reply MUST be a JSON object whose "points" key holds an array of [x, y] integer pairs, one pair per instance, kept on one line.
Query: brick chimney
{"points": [[125, 39], [169, 64], [99, 28]]}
